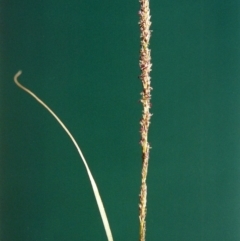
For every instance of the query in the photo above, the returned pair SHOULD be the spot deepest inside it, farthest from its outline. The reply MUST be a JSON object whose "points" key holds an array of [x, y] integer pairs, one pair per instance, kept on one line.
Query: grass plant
{"points": [[145, 68]]}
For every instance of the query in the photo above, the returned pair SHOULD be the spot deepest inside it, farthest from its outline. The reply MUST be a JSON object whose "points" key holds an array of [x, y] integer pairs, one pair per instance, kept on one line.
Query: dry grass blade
{"points": [[93, 183]]}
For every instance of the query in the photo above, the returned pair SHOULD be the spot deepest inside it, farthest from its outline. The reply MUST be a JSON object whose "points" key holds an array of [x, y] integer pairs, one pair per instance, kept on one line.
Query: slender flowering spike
{"points": [[145, 66]]}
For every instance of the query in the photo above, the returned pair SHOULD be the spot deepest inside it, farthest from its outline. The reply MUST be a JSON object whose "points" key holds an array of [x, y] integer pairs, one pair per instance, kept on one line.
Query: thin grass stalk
{"points": [[145, 67], [92, 181]]}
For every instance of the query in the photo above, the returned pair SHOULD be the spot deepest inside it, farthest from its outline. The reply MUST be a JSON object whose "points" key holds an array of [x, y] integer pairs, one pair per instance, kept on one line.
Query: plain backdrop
{"points": [[81, 58]]}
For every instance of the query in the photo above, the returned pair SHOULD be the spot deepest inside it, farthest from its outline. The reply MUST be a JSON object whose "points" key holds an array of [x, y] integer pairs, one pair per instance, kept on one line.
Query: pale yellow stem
{"points": [[93, 183]]}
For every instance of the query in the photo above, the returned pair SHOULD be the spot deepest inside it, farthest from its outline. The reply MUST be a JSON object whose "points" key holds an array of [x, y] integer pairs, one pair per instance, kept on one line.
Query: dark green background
{"points": [[81, 58]]}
